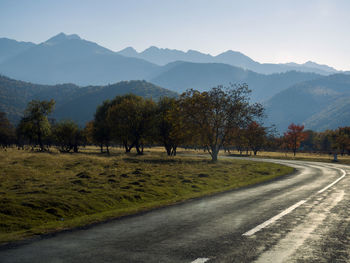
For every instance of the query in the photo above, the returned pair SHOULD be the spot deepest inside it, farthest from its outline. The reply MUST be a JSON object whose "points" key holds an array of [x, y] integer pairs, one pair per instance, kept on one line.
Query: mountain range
{"points": [[163, 56], [312, 94], [70, 59]]}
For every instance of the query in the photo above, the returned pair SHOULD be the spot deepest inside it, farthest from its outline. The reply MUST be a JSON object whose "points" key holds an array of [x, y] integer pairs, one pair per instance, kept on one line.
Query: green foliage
{"points": [[169, 125], [67, 136], [7, 131], [132, 121], [35, 124], [101, 131]]}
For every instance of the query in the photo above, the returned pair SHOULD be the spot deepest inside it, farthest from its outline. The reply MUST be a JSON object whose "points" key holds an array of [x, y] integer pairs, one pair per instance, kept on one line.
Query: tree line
{"points": [[221, 118]]}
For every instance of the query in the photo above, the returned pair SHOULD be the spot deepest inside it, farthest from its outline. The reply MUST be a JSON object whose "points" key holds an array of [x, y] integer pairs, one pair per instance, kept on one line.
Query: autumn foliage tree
{"points": [[294, 136], [256, 136], [211, 116]]}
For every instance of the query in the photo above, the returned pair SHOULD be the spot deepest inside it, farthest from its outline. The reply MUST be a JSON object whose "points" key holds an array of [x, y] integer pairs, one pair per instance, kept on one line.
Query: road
{"points": [[303, 217]]}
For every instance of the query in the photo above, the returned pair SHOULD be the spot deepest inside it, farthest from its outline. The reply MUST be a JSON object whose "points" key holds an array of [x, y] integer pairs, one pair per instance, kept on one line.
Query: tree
{"points": [[89, 132], [211, 116], [294, 136], [7, 131], [35, 124], [341, 139], [169, 125], [132, 121], [101, 131], [67, 136], [256, 136]]}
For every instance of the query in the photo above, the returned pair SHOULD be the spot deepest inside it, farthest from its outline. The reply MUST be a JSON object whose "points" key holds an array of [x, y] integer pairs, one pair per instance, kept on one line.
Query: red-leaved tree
{"points": [[294, 136]]}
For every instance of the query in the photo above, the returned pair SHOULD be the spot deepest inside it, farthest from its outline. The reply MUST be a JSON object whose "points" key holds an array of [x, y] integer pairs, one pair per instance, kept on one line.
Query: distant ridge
{"points": [[72, 102], [70, 59], [10, 48], [163, 56], [319, 104]]}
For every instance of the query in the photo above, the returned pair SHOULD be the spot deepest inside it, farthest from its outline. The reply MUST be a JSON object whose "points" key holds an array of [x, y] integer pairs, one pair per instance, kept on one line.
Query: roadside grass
{"points": [[47, 192], [315, 157]]}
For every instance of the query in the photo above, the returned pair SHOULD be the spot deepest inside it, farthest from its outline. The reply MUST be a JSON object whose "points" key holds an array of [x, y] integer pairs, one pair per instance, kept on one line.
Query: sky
{"points": [[268, 31]]}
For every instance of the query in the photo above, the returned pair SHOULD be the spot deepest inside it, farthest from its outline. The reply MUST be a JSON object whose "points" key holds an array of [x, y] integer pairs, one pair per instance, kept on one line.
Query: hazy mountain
{"points": [[72, 102], [68, 58], [161, 56], [10, 48], [179, 76], [319, 104]]}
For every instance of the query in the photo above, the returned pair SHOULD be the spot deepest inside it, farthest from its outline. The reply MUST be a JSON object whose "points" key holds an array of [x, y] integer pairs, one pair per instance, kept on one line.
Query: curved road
{"points": [[301, 217]]}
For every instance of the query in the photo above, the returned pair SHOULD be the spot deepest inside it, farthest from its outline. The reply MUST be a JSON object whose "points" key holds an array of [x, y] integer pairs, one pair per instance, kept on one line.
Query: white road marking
{"points": [[288, 210], [336, 181], [273, 219], [200, 260]]}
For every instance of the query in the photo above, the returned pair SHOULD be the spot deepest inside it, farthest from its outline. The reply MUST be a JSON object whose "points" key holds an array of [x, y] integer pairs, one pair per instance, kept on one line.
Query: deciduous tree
{"points": [[35, 124], [67, 136], [294, 136], [132, 121], [211, 116], [169, 124], [256, 136], [7, 131]]}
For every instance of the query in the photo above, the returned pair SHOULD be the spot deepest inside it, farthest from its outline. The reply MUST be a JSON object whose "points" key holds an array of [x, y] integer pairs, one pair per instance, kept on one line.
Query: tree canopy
{"points": [[213, 116], [35, 124]]}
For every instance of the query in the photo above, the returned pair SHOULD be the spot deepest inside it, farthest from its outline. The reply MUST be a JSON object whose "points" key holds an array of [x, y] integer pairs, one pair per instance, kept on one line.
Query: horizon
{"points": [[268, 32]]}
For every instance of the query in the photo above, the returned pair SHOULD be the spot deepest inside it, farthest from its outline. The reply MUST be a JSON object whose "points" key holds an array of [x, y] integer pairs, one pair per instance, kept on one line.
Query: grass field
{"points": [[47, 192]]}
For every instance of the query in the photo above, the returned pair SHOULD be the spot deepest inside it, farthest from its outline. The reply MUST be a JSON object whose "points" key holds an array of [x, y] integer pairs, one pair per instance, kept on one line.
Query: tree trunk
{"points": [[101, 145], [214, 153], [174, 150], [168, 149], [125, 143], [139, 151], [40, 142]]}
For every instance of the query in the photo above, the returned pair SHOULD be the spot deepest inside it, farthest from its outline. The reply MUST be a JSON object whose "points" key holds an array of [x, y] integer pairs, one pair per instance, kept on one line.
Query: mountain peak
{"points": [[151, 48], [129, 52], [61, 37]]}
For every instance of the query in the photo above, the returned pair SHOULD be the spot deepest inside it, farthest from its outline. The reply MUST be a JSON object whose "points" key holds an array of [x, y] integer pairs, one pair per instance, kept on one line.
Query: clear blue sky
{"points": [[275, 31]]}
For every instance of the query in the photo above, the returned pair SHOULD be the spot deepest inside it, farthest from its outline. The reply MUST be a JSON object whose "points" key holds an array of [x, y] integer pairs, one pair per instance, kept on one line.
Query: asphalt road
{"points": [[303, 217]]}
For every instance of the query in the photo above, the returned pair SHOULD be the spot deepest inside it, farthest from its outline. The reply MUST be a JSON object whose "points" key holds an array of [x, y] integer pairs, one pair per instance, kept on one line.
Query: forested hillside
{"points": [[319, 104], [72, 102]]}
